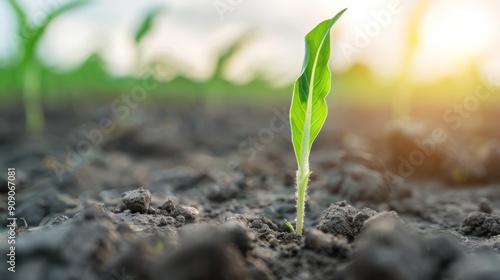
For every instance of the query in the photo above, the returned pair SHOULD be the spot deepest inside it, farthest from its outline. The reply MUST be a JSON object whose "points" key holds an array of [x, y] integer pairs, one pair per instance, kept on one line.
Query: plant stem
{"points": [[32, 100], [302, 180]]}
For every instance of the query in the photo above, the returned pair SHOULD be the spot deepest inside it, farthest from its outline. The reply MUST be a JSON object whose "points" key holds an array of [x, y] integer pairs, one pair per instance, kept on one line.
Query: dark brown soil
{"points": [[195, 193]]}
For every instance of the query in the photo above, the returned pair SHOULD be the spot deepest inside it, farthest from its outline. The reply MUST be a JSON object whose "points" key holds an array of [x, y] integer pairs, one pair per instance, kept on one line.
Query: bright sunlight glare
{"points": [[457, 30]]}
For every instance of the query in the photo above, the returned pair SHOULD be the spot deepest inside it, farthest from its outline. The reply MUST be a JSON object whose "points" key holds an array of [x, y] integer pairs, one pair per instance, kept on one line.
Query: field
{"points": [[180, 140], [200, 192]]}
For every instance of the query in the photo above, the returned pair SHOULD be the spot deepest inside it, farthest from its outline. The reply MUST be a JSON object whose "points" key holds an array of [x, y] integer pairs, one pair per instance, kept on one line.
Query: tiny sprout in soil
{"points": [[308, 110]]}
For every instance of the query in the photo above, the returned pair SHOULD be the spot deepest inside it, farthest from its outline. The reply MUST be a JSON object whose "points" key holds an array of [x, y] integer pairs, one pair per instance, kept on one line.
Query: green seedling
{"points": [[146, 24], [144, 28], [29, 37], [308, 110]]}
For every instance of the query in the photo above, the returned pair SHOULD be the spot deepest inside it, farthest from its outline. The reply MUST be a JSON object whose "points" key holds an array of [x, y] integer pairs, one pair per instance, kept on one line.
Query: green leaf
{"points": [[30, 35], [22, 24], [146, 24], [20, 14], [308, 110], [289, 225]]}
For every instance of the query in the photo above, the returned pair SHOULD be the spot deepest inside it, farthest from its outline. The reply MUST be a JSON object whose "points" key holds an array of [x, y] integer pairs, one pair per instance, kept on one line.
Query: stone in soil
{"points": [[183, 213], [137, 200]]}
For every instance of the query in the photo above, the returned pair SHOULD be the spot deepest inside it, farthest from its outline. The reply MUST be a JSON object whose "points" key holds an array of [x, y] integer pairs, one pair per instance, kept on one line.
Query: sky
{"points": [[372, 32]]}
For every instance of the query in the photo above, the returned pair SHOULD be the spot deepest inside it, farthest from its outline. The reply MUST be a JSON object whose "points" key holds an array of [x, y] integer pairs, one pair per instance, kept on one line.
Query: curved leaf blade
{"points": [[20, 14], [309, 109], [146, 24], [32, 37]]}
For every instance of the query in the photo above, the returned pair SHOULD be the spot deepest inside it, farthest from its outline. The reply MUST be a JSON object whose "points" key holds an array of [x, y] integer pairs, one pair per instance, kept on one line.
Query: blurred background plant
{"points": [[400, 55], [143, 29], [29, 70]]}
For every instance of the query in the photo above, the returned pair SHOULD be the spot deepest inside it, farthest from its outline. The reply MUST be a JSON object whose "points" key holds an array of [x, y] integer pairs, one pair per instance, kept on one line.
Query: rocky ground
{"points": [[197, 193]]}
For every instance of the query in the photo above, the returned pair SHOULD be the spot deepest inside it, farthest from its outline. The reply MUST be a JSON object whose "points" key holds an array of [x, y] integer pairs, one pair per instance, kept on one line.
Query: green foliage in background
{"points": [[25, 79]]}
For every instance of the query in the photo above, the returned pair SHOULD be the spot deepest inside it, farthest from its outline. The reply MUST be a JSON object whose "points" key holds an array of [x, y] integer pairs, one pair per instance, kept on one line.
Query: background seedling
{"points": [[308, 111], [144, 28], [29, 36]]}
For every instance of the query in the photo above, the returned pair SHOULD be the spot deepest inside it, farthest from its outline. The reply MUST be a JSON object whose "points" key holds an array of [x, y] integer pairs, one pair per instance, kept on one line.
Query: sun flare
{"points": [[457, 30]]}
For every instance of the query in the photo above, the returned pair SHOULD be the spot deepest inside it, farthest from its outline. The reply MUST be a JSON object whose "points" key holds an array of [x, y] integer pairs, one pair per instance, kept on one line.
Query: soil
{"points": [[201, 192]]}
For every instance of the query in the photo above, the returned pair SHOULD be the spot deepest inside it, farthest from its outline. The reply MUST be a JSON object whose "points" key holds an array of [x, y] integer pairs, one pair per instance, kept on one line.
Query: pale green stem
{"points": [[302, 180], [32, 100], [138, 60]]}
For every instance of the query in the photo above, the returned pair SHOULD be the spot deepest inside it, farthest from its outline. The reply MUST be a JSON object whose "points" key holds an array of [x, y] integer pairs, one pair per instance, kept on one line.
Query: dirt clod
{"points": [[182, 226], [481, 224], [343, 219], [359, 220], [137, 200], [168, 206]]}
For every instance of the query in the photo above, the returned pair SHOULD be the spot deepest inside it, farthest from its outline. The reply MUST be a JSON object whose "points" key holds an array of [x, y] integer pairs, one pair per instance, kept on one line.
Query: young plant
{"points": [[308, 111], [143, 29], [29, 37]]}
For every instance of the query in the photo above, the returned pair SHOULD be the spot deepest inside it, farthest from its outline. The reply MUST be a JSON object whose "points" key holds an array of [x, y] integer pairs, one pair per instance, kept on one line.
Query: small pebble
{"points": [[168, 206], [137, 200]]}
